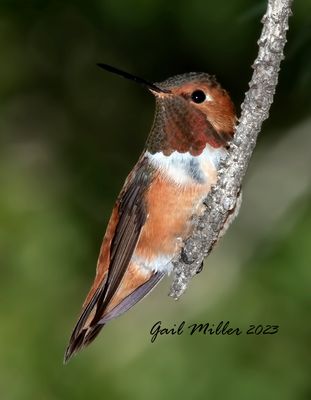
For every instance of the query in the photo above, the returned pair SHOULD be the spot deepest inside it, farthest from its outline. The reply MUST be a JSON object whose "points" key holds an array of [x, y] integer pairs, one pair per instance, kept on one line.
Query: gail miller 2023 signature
{"points": [[220, 329]]}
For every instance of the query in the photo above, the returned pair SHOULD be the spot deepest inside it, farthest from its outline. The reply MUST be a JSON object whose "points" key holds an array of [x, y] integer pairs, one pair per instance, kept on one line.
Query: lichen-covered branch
{"points": [[224, 200]]}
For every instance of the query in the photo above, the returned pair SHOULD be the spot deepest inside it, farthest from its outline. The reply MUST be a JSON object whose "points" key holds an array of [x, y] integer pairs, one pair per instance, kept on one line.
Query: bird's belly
{"points": [[170, 209]]}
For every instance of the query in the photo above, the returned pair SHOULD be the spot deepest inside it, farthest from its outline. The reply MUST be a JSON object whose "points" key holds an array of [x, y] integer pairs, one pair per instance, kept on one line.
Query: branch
{"points": [[223, 202]]}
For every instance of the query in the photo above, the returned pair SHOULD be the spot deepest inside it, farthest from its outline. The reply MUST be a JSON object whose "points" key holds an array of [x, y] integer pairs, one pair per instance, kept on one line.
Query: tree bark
{"points": [[223, 202]]}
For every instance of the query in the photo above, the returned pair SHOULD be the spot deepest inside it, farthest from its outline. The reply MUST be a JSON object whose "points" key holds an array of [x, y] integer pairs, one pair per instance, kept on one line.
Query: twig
{"points": [[222, 201]]}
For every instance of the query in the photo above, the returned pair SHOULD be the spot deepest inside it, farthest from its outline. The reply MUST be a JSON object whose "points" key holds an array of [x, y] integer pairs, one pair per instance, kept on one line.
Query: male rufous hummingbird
{"points": [[193, 125]]}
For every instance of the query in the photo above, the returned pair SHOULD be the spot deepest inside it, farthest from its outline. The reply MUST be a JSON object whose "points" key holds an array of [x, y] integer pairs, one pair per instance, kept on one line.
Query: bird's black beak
{"points": [[134, 78]]}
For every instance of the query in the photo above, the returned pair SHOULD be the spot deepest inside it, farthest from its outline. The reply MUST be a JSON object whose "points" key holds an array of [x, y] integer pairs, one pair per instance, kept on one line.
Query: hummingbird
{"points": [[153, 214]]}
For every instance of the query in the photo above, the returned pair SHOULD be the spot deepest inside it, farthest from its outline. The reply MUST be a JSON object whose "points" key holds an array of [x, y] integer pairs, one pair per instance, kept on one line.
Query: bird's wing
{"points": [[122, 235], [128, 302]]}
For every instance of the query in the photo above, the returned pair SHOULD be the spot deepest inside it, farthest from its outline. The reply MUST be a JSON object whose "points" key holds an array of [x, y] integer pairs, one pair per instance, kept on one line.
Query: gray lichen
{"points": [[221, 202]]}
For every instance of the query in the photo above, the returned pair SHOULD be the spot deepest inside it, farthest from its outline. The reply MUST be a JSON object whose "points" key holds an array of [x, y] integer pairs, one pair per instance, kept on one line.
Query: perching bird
{"points": [[193, 125]]}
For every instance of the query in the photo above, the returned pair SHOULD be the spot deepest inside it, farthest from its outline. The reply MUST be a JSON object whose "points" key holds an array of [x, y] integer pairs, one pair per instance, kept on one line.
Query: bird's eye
{"points": [[198, 96]]}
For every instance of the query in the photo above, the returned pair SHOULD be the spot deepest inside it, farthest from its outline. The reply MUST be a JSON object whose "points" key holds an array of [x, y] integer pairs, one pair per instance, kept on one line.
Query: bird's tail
{"points": [[89, 324], [84, 338]]}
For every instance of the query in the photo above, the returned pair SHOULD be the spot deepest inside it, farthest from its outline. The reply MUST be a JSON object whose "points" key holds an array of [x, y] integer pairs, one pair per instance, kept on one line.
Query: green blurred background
{"points": [[69, 134]]}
